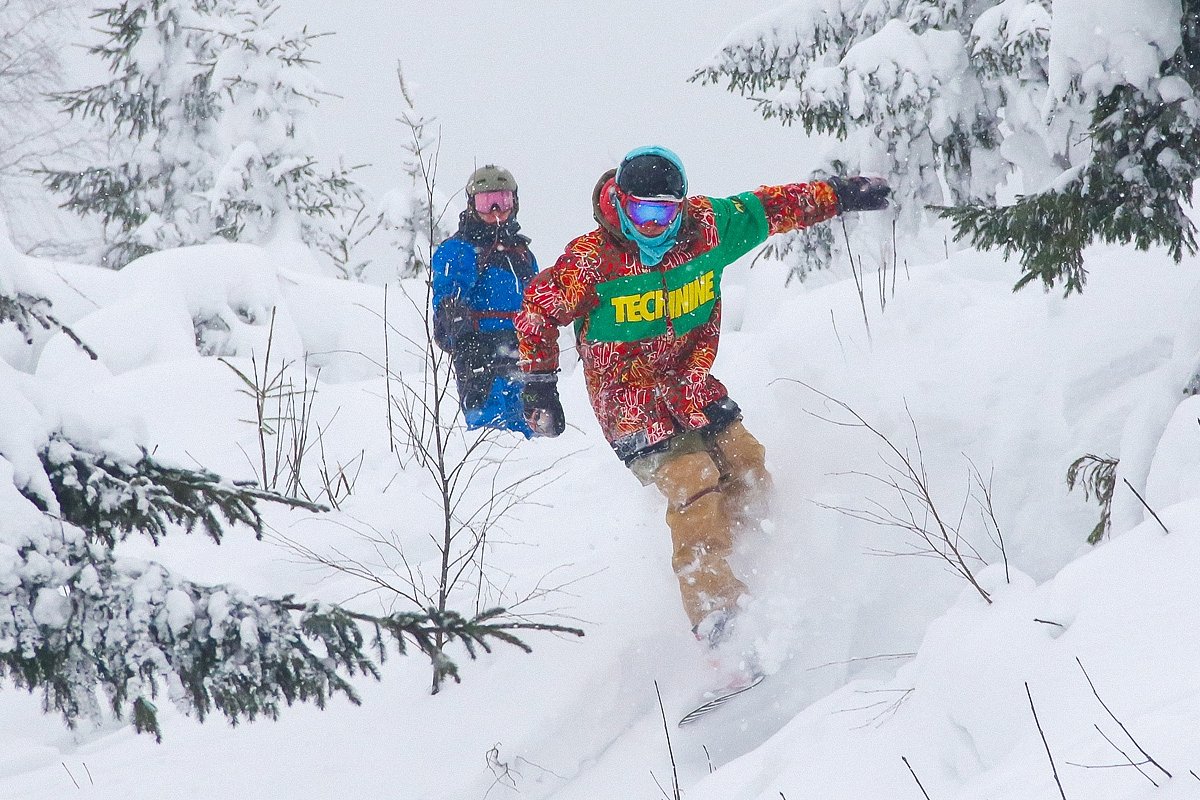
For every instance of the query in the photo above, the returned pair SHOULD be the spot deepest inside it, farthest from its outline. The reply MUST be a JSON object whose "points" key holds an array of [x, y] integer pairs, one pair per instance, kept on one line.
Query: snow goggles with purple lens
{"points": [[491, 202], [659, 210]]}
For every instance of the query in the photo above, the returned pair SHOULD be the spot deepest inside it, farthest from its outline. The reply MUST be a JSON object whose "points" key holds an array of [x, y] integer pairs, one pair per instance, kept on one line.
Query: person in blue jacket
{"points": [[479, 278]]}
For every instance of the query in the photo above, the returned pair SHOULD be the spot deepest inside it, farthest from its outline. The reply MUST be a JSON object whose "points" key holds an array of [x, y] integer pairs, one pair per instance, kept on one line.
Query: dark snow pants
{"points": [[489, 380]]}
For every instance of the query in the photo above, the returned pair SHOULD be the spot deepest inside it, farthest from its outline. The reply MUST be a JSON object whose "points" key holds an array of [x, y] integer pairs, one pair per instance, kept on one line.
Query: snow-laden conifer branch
{"points": [[1131, 184], [1146, 157], [110, 498], [25, 310], [1098, 478], [431, 631], [78, 623]]}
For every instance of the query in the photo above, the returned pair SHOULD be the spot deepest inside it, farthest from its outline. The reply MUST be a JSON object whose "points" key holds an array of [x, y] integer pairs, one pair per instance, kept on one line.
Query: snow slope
{"points": [[873, 657], [1019, 383]]}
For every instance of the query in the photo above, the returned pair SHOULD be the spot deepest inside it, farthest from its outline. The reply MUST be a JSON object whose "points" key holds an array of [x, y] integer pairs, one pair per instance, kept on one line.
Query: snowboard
{"points": [[715, 699]]}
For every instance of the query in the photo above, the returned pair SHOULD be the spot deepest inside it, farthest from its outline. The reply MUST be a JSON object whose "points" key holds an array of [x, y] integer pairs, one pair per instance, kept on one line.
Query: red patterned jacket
{"points": [[647, 336]]}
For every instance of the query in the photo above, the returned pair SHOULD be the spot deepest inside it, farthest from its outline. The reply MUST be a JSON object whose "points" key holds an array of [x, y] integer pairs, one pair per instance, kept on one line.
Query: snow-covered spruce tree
{"points": [[1130, 74], [921, 91], [266, 175], [98, 633], [204, 113], [158, 112]]}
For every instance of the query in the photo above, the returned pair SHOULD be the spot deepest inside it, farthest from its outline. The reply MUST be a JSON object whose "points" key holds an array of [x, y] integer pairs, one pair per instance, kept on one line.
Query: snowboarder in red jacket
{"points": [[644, 291]]}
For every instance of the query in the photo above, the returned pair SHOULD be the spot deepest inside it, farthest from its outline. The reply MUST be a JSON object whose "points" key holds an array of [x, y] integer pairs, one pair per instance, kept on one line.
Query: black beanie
{"points": [[650, 175]]}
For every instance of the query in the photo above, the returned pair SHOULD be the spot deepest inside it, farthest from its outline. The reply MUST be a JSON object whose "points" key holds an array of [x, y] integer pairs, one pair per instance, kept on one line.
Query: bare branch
{"points": [[1142, 500], [1129, 762], [1120, 724], [915, 778], [908, 478], [1045, 744], [670, 751], [881, 657]]}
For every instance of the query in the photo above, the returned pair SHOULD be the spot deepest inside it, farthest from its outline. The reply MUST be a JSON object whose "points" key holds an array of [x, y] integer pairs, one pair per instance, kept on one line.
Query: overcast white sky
{"points": [[552, 90]]}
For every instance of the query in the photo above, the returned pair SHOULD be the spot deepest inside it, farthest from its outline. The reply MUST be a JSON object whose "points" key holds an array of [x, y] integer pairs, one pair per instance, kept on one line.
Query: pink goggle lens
{"points": [[491, 202]]}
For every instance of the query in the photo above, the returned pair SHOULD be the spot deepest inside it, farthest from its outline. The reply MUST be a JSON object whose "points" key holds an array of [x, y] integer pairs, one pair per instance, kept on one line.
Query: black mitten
{"points": [[860, 194], [452, 320], [543, 411]]}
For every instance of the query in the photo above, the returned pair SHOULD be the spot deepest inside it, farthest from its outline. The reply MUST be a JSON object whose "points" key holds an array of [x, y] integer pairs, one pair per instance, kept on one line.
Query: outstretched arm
{"points": [[797, 205], [744, 221]]}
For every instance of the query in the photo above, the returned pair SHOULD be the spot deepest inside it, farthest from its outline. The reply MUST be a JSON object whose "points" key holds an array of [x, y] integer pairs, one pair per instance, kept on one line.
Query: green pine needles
{"points": [[1098, 477], [109, 498], [1048, 231]]}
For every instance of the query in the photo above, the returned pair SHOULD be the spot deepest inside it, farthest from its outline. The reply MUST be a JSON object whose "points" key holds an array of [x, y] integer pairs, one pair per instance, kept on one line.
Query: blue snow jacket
{"points": [[479, 279]]}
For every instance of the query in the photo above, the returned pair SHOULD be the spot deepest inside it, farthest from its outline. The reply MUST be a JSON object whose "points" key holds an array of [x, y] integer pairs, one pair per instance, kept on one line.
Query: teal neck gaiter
{"points": [[653, 249]]}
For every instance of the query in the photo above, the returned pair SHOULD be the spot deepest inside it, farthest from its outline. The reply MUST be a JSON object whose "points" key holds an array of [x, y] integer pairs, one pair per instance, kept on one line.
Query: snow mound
{"points": [[1019, 384]]}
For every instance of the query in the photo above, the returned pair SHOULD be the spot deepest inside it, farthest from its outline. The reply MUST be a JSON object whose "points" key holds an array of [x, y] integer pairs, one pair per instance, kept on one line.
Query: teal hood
{"points": [[652, 249]]}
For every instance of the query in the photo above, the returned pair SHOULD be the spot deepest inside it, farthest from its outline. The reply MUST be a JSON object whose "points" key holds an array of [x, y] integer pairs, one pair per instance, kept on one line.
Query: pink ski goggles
{"points": [[491, 202], [660, 211]]}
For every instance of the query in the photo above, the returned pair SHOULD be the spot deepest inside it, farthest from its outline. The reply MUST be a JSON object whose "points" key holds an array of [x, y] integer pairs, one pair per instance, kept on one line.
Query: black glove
{"points": [[860, 194], [452, 320], [543, 411]]}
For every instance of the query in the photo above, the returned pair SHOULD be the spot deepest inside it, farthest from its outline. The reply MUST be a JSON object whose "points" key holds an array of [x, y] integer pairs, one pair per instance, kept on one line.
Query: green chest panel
{"points": [[637, 307]]}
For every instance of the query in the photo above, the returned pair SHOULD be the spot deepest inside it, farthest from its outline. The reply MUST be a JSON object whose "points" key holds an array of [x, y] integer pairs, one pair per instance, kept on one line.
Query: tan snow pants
{"points": [[716, 485]]}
